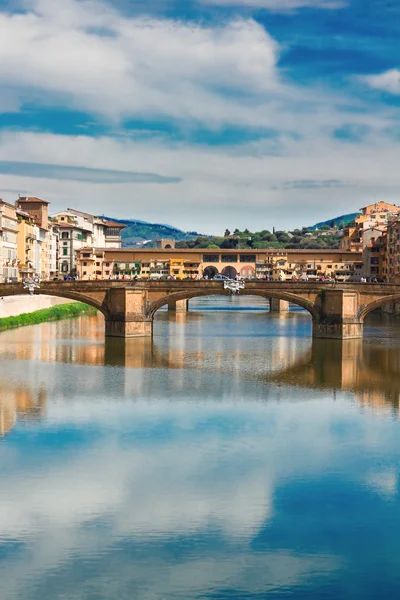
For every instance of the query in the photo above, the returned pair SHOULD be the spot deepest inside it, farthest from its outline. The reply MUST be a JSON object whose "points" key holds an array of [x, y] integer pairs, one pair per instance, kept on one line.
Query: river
{"points": [[230, 458]]}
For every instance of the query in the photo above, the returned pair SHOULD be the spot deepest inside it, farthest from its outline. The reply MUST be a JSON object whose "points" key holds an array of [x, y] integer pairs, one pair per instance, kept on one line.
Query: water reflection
{"points": [[368, 369], [211, 462]]}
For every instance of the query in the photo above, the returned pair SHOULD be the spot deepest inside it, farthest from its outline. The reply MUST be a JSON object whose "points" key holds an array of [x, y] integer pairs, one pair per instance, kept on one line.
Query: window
{"points": [[62, 218], [64, 234], [85, 264], [65, 243], [79, 236], [65, 251], [210, 258], [228, 258], [107, 264], [112, 232], [97, 264], [329, 267], [247, 258]]}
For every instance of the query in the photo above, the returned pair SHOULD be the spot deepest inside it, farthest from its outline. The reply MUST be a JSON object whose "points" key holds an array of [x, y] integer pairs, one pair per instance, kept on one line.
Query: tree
{"points": [[227, 233], [229, 243], [181, 244]]}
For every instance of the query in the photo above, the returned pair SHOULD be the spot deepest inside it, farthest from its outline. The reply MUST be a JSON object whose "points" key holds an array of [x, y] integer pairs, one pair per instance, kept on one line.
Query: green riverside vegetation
{"points": [[54, 313]]}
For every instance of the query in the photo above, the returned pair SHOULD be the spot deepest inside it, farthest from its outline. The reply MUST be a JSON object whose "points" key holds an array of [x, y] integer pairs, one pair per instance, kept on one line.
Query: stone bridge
{"points": [[337, 310]]}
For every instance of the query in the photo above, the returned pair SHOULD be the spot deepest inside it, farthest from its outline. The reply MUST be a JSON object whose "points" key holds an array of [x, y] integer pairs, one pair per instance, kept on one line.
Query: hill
{"points": [[138, 232], [337, 221]]}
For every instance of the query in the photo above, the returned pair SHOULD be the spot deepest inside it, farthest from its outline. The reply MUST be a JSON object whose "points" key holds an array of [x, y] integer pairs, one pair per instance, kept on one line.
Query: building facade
{"points": [[127, 263], [38, 211], [393, 252], [77, 230], [8, 242]]}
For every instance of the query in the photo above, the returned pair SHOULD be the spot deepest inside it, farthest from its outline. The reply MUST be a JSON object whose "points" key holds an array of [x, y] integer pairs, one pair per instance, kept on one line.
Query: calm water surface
{"points": [[231, 458]]}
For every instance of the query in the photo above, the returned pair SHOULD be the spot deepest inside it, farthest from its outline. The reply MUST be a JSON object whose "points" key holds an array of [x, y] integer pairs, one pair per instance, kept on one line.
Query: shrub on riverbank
{"points": [[55, 313]]}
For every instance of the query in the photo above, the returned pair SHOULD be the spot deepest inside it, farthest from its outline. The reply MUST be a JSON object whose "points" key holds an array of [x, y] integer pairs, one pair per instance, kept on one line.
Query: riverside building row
{"points": [[376, 234], [34, 244], [157, 263]]}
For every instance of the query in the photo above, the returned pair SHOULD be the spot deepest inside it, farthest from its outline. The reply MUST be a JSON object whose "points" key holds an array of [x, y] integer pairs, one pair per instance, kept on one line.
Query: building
{"points": [[38, 210], [103, 263], [165, 243], [52, 249], [8, 242], [374, 252], [393, 252], [80, 230], [378, 214], [26, 244]]}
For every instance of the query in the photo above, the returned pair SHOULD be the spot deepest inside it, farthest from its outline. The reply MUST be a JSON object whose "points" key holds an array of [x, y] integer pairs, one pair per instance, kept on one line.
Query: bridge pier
{"points": [[126, 308], [178, 305], [337, 315], [276, 305]]}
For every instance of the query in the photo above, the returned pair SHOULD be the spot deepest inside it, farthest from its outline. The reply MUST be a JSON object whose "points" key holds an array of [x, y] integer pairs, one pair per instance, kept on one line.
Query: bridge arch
{"points": [[365, 310], [187, 295], [60, 293]]}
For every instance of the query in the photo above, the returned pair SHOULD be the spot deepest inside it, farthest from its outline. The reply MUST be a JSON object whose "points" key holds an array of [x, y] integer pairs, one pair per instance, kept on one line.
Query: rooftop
{"points": [[32, 200], [178, 251]]}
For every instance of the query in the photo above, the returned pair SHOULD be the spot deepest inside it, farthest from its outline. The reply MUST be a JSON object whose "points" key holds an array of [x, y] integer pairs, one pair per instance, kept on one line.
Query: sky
{"points": [[203, 114]]}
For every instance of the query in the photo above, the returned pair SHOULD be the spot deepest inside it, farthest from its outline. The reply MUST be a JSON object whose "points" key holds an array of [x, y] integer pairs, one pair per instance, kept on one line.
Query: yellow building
{"points": [[105, 263]]}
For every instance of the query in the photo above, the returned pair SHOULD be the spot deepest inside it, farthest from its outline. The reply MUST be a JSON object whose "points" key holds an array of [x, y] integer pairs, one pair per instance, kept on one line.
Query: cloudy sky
{"points": [[203, 114]]}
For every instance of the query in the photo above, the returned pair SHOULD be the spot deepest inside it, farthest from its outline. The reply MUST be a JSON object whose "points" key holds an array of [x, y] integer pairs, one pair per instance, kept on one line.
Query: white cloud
{"points": [[86, 56], [220, 187], [389, 81], [280, 5]]}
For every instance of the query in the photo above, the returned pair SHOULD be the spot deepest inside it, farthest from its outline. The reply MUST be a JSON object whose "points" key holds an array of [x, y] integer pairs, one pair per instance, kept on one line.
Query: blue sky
{"points": [[202, 113]]}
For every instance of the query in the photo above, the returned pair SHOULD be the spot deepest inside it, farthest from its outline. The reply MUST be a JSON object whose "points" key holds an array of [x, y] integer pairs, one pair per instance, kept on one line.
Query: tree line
{"points": [[298, 239]]}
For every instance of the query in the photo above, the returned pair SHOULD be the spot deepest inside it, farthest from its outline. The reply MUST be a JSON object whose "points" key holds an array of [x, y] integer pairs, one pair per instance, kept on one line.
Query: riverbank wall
{"points": [[12, 306]]}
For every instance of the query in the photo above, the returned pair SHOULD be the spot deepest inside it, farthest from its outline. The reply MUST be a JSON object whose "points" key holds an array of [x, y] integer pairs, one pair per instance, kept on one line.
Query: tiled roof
{"points": [[114, 224]]}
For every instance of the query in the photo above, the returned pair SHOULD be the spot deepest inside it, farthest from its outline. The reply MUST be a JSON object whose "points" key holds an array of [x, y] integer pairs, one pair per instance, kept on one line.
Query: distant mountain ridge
{"points": [[341, 221], [138, 232]]}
